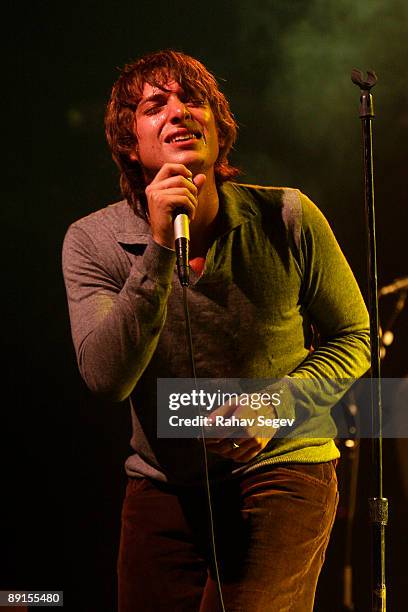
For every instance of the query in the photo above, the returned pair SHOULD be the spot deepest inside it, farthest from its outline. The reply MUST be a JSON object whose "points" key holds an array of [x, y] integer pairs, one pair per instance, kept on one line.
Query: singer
{"points": [[265, 273]]}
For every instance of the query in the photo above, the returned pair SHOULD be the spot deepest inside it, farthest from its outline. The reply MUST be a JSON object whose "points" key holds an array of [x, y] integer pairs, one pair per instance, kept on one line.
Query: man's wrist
{"points": [[159, 262]]}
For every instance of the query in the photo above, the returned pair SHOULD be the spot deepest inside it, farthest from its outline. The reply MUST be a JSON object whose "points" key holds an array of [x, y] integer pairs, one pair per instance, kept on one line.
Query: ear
{"points": [[220, 139], [134, 155]]}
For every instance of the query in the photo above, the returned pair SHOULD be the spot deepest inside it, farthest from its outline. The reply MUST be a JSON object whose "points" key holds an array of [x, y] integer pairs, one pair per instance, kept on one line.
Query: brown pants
{"points": [[272, 529]]}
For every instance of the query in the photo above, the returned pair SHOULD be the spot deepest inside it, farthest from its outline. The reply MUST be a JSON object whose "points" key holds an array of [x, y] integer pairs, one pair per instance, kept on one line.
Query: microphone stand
{"points": [[378, 505]]}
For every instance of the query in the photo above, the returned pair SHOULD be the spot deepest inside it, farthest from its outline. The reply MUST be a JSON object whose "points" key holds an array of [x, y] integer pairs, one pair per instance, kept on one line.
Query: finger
{"points": [[199, 181], [171, 182], [246, 456], [245, 451], [231, 446], [180, 198], [170, 199], [234, 455], [168, 170], [225, 410]]}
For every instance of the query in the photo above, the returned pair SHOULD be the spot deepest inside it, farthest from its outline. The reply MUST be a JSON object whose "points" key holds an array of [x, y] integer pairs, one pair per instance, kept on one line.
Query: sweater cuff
{"points": [[286, 408], [159, 262]]}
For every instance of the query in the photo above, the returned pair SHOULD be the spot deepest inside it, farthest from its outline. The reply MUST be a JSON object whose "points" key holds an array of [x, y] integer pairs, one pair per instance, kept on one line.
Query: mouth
{"points": [[182, 136]]}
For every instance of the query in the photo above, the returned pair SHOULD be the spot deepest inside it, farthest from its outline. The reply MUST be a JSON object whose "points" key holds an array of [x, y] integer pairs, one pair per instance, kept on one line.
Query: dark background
{"points": [[285, 66]]}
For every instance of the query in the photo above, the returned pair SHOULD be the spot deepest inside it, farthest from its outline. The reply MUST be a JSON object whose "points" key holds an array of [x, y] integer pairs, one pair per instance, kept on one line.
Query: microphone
{"points": [[399, 284], [182, 243]]}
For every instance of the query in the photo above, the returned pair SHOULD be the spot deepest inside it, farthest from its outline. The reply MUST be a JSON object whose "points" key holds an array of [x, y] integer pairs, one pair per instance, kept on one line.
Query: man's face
{"points": [[171, 127]]}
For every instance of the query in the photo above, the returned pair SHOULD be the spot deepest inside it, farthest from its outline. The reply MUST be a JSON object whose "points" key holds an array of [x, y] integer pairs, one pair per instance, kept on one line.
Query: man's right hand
{"points": [[173, 187]]}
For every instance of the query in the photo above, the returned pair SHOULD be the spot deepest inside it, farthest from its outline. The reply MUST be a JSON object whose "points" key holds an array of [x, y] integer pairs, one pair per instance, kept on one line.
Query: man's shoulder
{"points": [[291, 201], [118, 220], [268, 194], [271, 191], [109, 215], [286, 202]]}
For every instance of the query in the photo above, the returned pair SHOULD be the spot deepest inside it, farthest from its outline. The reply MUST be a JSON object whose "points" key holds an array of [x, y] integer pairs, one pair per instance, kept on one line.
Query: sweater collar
{"points": [[235, 209], [235, 206]]}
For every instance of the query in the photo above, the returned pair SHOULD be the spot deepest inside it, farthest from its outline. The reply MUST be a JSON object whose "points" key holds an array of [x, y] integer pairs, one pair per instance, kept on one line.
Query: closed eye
{"points": [[196, 102], [152, 110], [152, 104]]}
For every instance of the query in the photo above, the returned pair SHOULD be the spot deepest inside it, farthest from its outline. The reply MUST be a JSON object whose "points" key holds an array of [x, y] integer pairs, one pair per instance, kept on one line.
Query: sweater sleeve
{"points": [[332, 298], [115, 323], [333, 302]]}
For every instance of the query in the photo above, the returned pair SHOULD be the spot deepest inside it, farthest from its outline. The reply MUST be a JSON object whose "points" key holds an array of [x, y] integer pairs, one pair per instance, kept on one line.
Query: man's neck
{"points": [[203, 227]]}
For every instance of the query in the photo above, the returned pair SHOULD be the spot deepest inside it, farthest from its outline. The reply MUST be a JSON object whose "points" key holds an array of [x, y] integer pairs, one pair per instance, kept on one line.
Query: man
{"points": [[265, 268]]}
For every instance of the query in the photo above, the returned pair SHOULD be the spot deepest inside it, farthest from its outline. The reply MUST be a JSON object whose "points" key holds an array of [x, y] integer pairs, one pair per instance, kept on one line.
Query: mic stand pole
{"points": [[378, 505]]}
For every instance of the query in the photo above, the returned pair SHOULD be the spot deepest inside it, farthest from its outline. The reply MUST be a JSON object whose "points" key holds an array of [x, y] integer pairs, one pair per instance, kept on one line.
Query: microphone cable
{"points": [[204, 449]]}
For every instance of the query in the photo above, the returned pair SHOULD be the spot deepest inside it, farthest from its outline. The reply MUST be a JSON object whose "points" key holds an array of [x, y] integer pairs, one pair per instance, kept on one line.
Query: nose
{"points": [[177, 109]]}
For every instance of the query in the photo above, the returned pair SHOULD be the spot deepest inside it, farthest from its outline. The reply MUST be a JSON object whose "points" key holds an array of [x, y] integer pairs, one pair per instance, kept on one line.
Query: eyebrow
{"points": [[154, 98], [158, 97]]}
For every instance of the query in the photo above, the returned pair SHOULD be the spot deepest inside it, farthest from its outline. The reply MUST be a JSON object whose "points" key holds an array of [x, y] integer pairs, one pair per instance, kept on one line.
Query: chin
{"points": [[194, 163]]}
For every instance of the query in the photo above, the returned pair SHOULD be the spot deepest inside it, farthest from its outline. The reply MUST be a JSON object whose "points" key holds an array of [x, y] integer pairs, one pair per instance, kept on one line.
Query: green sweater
{"points": [[274, 270]]}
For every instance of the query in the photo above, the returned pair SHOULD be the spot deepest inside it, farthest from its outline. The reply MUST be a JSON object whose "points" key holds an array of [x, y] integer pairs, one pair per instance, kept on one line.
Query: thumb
{"points": [[199, 181]]}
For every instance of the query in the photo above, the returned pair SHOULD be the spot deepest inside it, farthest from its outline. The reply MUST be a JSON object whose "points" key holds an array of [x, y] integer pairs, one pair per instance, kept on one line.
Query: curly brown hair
{"points": [[155, 69]]}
